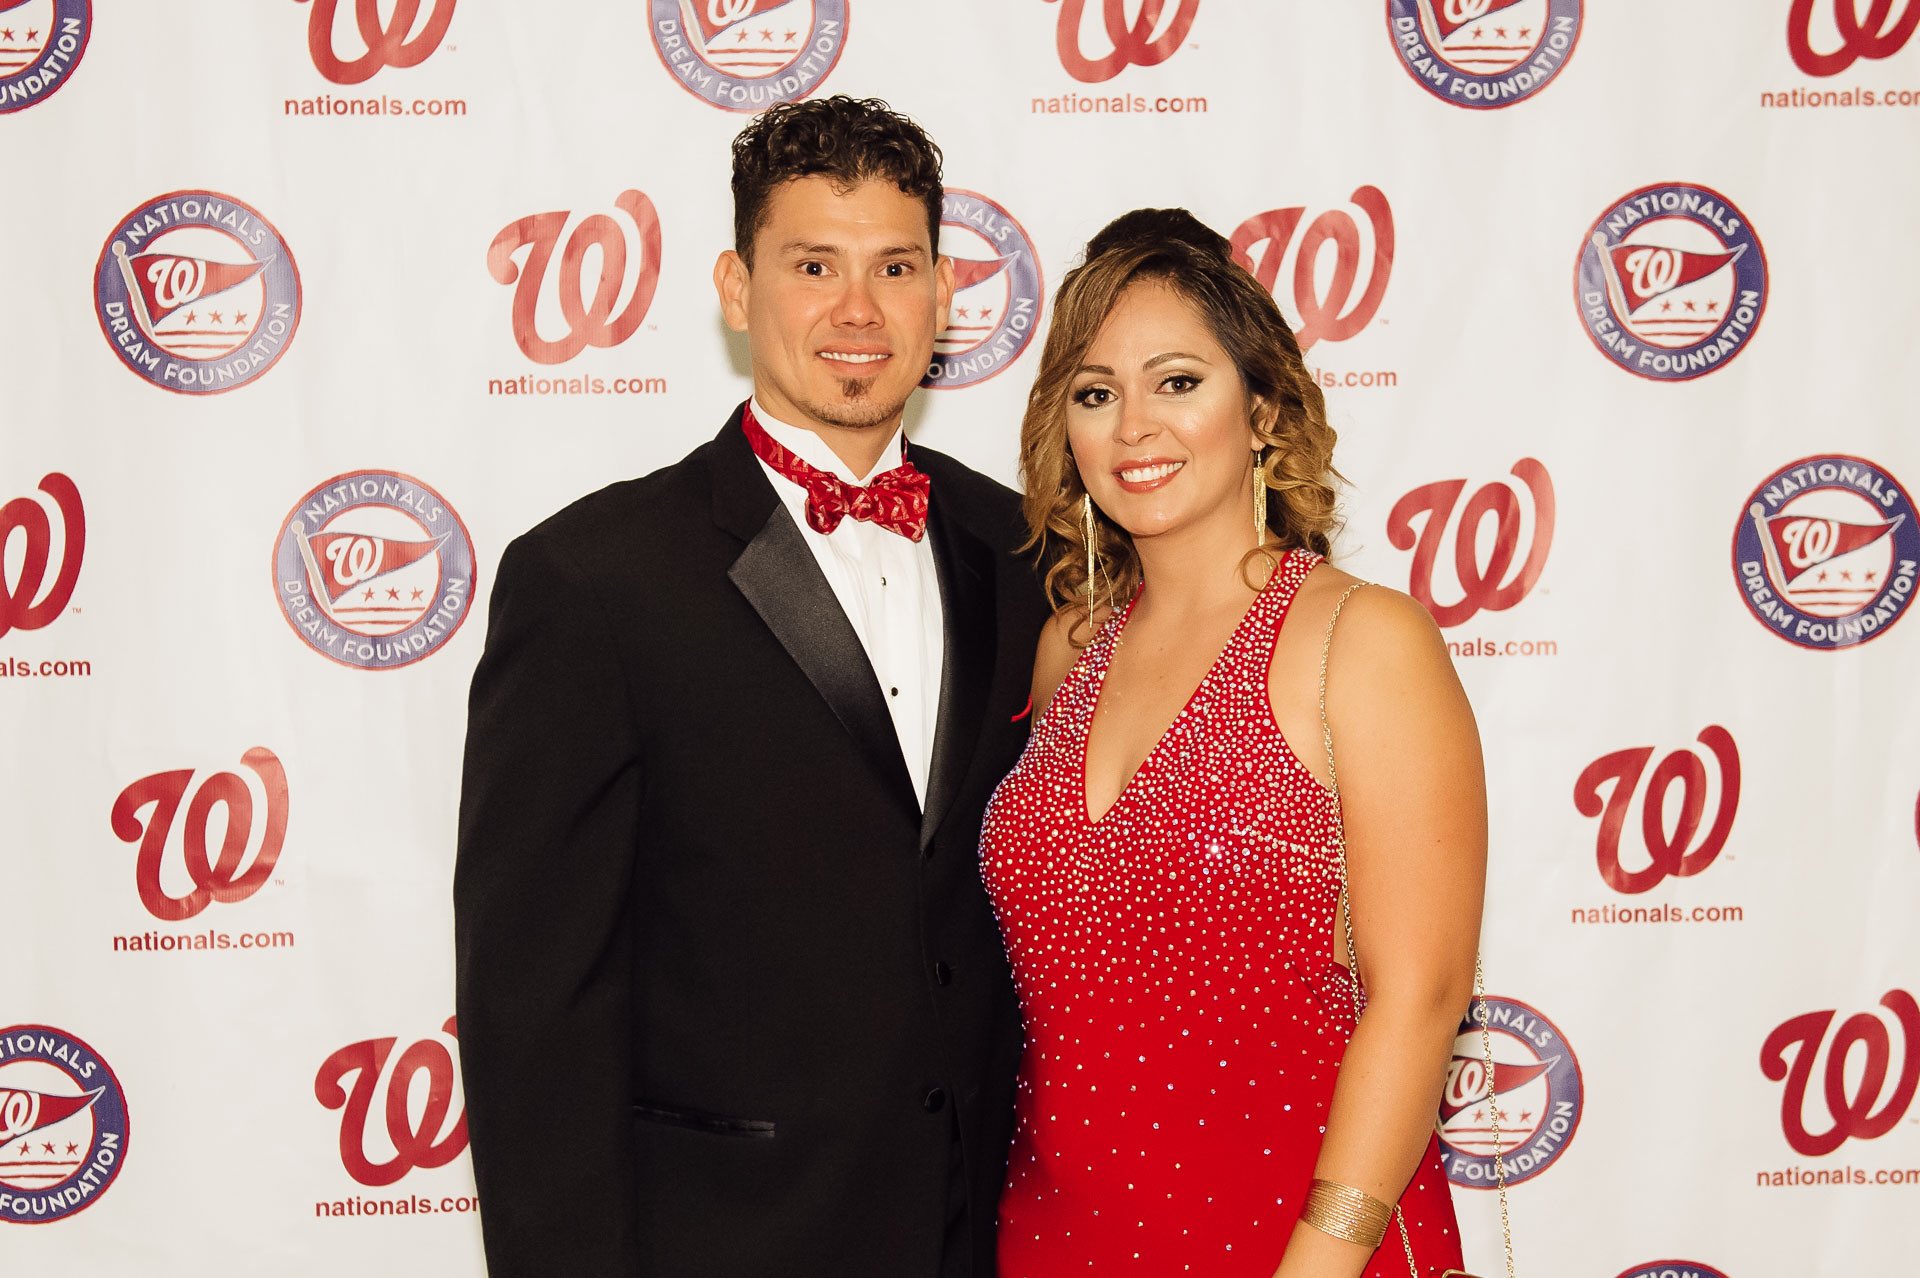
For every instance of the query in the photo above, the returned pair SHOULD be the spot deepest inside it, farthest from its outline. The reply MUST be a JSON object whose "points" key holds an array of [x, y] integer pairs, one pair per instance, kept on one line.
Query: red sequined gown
{"points": [[1185, 1019]]}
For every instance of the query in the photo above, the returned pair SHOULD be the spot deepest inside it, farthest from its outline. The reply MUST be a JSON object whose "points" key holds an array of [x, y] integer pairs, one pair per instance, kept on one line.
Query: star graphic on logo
{"points": [[1666, 306], [72, 1148], [1501, 32], [1525, 1114], [1822, 576], [47, 1145], [1712, 307], [392, 593], [369, 593], [32, 34], [6, 34], [962, 312], [239, 317], [1690, 306], [986, 312], [1525, 32], [1846, 574], [24, 1147], [766, 35], [215, 317], [192, 317], [745, 35], [1478, 32], [1871, 576], [418, 592]]}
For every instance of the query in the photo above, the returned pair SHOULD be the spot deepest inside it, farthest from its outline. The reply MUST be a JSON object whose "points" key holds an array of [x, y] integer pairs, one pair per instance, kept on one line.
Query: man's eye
{"points": [[895, 270], [813, 268]]}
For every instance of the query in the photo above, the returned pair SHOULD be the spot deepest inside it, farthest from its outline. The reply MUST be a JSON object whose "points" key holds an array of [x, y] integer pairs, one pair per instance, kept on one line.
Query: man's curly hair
{"points": [[849, 140]]}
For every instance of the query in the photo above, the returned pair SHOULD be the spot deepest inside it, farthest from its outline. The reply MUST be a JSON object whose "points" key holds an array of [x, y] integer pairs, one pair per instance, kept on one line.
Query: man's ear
{"points": [[732, 280], [943, 289]]}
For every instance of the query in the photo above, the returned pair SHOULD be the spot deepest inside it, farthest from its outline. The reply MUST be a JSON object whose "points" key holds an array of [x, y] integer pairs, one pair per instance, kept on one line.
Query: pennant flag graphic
{"points": [[715, 16], [168, 282], [22, 1112], [1640, 273], [337, 563], [1798, 544], [1509, 1079], [969, 271]]}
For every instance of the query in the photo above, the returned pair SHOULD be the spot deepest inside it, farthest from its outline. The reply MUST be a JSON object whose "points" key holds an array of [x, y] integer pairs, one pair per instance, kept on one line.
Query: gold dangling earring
{"points": [[1259, 500], [1089, 532]]}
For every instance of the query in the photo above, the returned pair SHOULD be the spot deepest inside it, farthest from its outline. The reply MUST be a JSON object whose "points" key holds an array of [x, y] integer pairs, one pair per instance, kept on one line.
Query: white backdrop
{"points": [[227, 788]]}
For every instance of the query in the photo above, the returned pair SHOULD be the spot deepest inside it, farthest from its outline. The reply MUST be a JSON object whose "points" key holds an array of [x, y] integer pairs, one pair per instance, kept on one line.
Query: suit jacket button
{"points": [[942, 973], [936, 1100]]}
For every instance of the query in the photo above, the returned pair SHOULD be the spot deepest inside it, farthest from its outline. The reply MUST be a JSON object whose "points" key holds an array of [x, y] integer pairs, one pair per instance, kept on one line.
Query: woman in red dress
{"points": [[1165, 860]]}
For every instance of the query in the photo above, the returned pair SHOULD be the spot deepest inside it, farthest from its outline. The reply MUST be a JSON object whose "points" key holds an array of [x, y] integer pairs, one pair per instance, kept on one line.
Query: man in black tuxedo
{"points": [[731, 998]]}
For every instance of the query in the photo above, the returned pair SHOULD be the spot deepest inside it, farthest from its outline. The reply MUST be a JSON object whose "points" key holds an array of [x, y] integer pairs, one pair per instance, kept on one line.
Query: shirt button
{"points": [[936, 1100], [942, 973], [893, 692]]}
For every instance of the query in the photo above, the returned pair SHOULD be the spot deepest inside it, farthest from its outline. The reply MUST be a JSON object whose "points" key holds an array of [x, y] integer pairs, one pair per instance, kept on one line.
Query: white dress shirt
{"points": [[887, 586]]}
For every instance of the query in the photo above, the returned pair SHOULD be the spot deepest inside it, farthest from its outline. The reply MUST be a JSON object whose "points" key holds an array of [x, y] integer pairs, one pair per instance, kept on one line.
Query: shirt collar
{"points": [[813, 450]]}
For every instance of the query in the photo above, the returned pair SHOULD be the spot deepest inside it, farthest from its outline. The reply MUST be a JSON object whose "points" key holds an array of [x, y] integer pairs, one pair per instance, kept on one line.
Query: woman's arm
{"points": [[1414, 795]]}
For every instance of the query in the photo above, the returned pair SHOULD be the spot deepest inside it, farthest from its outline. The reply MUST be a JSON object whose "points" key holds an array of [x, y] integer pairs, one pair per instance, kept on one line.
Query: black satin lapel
{"points": [[966, 570], [781, 579]]}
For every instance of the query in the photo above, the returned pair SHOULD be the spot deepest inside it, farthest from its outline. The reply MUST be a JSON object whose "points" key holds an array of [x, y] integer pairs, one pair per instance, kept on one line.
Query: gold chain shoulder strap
{"points": [[1353, 965]]}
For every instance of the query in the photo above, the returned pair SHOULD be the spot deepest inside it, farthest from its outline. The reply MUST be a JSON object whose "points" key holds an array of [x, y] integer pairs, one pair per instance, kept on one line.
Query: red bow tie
{"points": [[895, 500]]}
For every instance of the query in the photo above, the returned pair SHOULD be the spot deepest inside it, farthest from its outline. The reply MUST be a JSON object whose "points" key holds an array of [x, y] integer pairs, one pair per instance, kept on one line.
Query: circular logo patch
{"points": [[41, 42], [1671, 282], [374, 570], [1826, 551], [746, 55], [1673, 1269], [997, 291], [1538, 1102], [1484, 53], [197, 292], [63, 1125]]}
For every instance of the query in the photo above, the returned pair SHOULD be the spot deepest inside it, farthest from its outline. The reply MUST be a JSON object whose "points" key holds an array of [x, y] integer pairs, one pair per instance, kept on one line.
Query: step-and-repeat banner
{"points": [[308, 306]]}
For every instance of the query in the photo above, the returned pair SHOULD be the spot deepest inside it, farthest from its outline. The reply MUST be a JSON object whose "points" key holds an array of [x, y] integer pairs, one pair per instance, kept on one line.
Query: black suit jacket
{"points": [[724, 990]]}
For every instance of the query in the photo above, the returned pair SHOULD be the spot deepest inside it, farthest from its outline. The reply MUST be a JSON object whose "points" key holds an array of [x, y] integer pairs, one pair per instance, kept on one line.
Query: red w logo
{"points": [[1482, 585], [1849, 1106], [1667, 854], [589, 323], [428, 1141], [1134, 43], [1322, 314], [215, 878], [1878, 35], [19, 609], [389, 43]]}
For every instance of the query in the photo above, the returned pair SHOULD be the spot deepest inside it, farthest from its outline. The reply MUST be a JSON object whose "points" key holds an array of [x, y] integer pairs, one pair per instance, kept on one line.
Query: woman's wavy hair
{"points": [[1172, 248]]}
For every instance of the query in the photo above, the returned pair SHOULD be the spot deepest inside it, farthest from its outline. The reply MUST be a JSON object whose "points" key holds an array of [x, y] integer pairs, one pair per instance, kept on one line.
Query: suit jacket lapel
{"points": [[781, 579], [966, 570]]}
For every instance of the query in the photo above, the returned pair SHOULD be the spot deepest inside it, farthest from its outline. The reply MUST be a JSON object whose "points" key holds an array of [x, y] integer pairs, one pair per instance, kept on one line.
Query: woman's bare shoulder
{"points": [[1064, 637]]}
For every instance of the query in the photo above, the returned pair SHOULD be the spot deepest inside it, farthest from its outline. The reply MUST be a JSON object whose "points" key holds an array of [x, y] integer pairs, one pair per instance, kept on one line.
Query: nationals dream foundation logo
{"points": [[1826, 552], [746, 55], [997, 291], [1667, 853], [614, 311], [374, 570], [1096, 47], [1540, 1096], [1484, 53], [197, 293], [1863, 1103], [41, 42], [1671, 282], [63, 1125], [392, 41], [32, 596]]}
